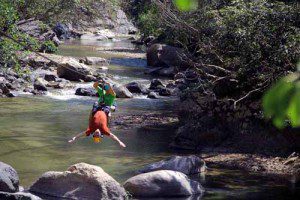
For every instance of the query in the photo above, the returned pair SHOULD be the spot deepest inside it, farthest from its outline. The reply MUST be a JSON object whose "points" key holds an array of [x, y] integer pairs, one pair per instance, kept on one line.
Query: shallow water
{"points": [[35, 130]]}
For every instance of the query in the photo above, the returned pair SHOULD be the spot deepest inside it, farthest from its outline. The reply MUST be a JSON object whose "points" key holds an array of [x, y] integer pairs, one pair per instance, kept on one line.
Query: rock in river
{"points": [[163, 183], [80, 181], [136, 87], [159, 55], [86, 92], [95, 61], [72, 70], [9, 179], [185, 164], [122, 92], [40, 84], [155, 83], [153, 95]]}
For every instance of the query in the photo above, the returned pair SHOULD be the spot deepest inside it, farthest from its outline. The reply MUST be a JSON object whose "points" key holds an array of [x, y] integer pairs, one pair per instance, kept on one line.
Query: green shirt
{"points": [[106, 98]]}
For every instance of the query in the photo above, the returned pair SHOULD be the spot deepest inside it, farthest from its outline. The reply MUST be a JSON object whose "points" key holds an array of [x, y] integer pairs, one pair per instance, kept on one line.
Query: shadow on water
{"points": [[130, 62]]}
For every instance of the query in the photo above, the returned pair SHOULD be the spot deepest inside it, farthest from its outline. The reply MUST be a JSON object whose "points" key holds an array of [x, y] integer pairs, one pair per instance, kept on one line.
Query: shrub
{"points": [[49, 47]]}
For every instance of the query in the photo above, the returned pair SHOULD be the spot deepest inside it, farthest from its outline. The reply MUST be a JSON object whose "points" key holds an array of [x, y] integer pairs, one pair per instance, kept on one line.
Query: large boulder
{"points": [[86, 92], [80, 181], [18, 196], [64, 31], [159, 55], [122, 92], [72, 70], [9, 179], [123, 24], [185, 164], [163, 183], [136, 87], [37, 29]]}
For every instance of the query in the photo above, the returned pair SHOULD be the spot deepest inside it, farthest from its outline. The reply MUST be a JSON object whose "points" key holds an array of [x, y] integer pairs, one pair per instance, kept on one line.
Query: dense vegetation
{"points": [[255, 42], [48, 12]]}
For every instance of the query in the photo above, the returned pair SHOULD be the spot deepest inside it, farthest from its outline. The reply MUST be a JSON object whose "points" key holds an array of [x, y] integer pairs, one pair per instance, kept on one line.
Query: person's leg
{"points": [[93, 111], [106, 110]]}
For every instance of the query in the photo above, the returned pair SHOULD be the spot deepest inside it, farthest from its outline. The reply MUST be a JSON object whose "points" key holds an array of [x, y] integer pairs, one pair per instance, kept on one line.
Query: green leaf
{"points": [[279, 122], [276, 101], [294, 109], [186, 5]]}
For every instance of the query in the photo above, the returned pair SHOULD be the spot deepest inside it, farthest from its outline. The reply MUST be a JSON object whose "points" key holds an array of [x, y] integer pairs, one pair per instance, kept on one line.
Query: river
{"points": [[35, 130]]}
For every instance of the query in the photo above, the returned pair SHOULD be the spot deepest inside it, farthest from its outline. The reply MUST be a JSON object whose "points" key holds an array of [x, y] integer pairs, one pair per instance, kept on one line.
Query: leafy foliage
{"points": [[186, 5], [282, 101], [257, 41], [49, 47], [149, 21]]}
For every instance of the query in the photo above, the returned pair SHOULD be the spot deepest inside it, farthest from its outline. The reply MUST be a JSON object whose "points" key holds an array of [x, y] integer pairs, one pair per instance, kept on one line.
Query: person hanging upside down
{"points": [[106, 101], [98, 126]]}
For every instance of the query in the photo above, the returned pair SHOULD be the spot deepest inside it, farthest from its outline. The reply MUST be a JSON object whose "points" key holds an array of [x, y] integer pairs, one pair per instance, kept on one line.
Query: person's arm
{"points": [[77, 136], [115, 138]]}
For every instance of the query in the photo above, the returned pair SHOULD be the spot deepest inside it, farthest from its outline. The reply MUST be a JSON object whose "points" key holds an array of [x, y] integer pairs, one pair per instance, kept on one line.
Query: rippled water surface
{"points": [[34, 133]]}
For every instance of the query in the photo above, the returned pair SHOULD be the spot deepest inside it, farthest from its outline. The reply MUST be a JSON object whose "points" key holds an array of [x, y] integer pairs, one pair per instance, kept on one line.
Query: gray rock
{"points": [[95, 61], [50, 77], [155, 83], [165, 92], [18, 196], [122, 92], [11, 95], [59, 85], [9, 179], [37, 29], [185, 164], [171, 85], [136, 87], [153, 95], [90, 78], [4, 88], [72, 70], [80, 181], [40, 84], [159, 55], [86, 92], [3, 80], [64, 31], [163, 183]]}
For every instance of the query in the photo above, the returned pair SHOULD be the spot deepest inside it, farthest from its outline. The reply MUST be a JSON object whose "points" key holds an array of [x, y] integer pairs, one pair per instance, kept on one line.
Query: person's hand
{"points": [[72, 140], [96, 84], [122, 144]]}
